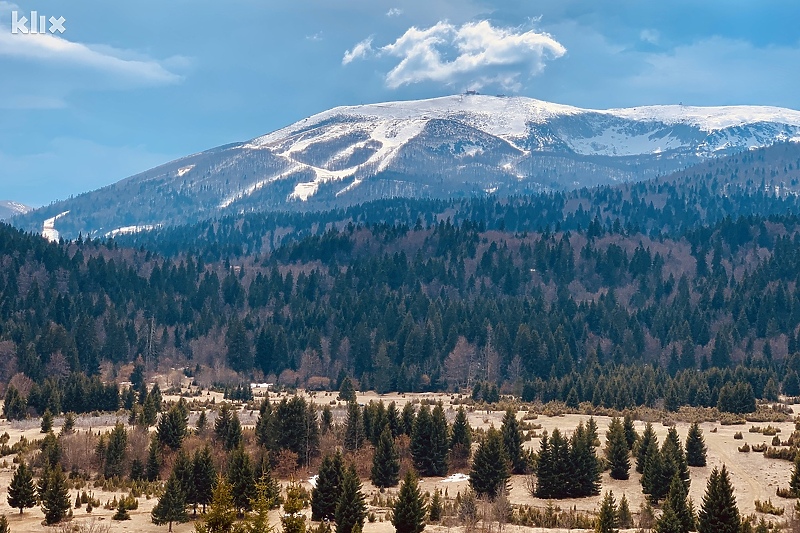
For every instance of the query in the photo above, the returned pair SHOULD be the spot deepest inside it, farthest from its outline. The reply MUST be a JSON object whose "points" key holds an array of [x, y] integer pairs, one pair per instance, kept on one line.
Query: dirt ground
{"points": [[754, 477]]}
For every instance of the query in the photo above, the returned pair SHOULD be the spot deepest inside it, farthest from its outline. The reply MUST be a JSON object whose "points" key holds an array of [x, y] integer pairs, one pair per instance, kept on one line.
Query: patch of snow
{"points": [[128, 230], [456, 478], [185, 170], [49, 231], [313, 481]]}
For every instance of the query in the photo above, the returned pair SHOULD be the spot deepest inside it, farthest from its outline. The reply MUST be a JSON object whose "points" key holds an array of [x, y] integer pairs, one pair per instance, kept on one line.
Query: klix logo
{"points": [[37, 24]]}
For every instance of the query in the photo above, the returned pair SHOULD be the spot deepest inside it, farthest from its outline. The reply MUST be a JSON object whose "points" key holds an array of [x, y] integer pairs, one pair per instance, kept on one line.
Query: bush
{"points": [[768, 508], [738, 435], [745, 448]]}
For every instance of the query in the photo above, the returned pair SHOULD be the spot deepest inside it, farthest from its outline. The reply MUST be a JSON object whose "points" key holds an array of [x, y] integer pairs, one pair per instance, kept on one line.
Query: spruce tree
{"points": [[22, 491], [673, 454], [47, 421], [630, 431], [624, 516], [56, 502], [265, 500], [153, 466], [461, 438], [616, 450], [351, 509], [264, 425], [436, 507], [719, 513], [202, 422], [386, 461], [794, 482], [347, 393], [512, 440], [607, 516], [429, 442], [205, 474], [695, 446], [241, 478], [227, 427], [408, 512], [648, 439], [293, 520], [4, 527], [354, 434], [652, 475], [115, 452], [489, 472], [183, 471], [171, 507], [221, 514], [669, 522], [325, 494], [676, 502]]}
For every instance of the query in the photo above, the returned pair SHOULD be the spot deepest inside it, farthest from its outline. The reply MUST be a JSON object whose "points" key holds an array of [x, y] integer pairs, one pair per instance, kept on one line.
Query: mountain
{"points": [[9, 209], [454, 146]]}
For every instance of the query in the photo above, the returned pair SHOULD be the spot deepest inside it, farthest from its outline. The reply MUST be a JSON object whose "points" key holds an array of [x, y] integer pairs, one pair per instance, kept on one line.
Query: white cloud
{"points": [[475, 55], [359, 51], [315, 37], [394, 12], [650, 36]]}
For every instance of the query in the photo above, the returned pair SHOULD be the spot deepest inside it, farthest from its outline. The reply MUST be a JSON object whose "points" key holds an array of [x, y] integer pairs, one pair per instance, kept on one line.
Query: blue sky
{"points": [[132, 84]]}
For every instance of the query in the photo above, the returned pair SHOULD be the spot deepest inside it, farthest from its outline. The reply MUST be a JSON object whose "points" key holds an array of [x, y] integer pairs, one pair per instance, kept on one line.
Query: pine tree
{"points": [[171, 507], [607, 516], [264, 425], [56, 502], [221, 514], [695, 446], [676, 502], [408, 512], [354, 434], [347, 393], [241, 478], [429, 442], [293, 520], [461, 438], [325, 493], [22, 491], [205, 474], [351, 509], [173, 425], [669, 522], [512, 440], [719, 513], [386, 461], [617, 450], [115, 452], [794, 482], [258, 522], [436, 507], [47, 421], [489, 472], [624, 516], [672, 451], [4, 527], [202, 422], [652, 475], [648, 439], [153, 466], [630, 431], [183, 471]]}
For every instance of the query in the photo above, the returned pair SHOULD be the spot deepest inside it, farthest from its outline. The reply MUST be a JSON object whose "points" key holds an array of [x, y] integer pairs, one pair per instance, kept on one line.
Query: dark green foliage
{"points": [[173, 425], [647, 441], [241, 478], [386, 461], [354, 433], [436, 508], [204, 474], [719, 513], [489, 472], [567, 468], [115, 452], [624, 516], [56, 502], [227, 427], [14, 405], [676, 509], [408, 512], [616, 451], [171, 506], [325, 495], [183, 471], [265, 425], [296, 428], [512, 441], [430, 442], [794, 482], [21, 490], [460, 438], [4, 527], [695, 446], [350, 509], [240, 353], [292, 520], [607, 515], [630, 431], [738, 398], [153, 466], [347, 393], [47, 421]]}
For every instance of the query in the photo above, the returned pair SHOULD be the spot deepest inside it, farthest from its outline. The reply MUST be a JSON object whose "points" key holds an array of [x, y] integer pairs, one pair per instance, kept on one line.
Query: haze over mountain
{"points": [[9, 209], [454, 146]]}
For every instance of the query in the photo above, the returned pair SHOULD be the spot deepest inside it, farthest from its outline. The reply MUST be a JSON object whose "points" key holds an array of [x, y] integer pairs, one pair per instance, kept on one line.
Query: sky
{"points": [[131, 84]]}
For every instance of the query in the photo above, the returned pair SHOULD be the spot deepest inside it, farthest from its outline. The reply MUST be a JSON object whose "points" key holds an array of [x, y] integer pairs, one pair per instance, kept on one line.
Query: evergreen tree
{"points": [[204, 474], [624, 516], [347, 393], [171, 507], [241, 478], [674, 460], [202, 422], [630, 431], [652, 476], [408, 512], [461, 438], [582, 469], [617, 452], [265, 500], [436, 507], [512, 440], [56, 502], [240, 353], [489, 472], [429, 442], [669, 522], [648, 440], [351, 509], [407, 418], [173, 425], [719, 513], [183, 471], [678, 506], [354, 433], [607, 516], [325, 493], [15, 405], [47, 421], [153, 466], [293, 520], [21, 490], [265, 426], [794, 482], [227, 427], [115, 452], [4, 527], [221, 514], [695, 446], [386, 461]]}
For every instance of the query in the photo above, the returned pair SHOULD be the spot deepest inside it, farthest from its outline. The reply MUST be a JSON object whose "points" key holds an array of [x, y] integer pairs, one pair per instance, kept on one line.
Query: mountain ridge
{"points": [[453, 146], [9, 208]]}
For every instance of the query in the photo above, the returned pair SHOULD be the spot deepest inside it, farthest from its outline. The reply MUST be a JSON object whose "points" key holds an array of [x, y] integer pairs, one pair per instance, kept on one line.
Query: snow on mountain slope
{"points": [[450, 146], [9, 209]]}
